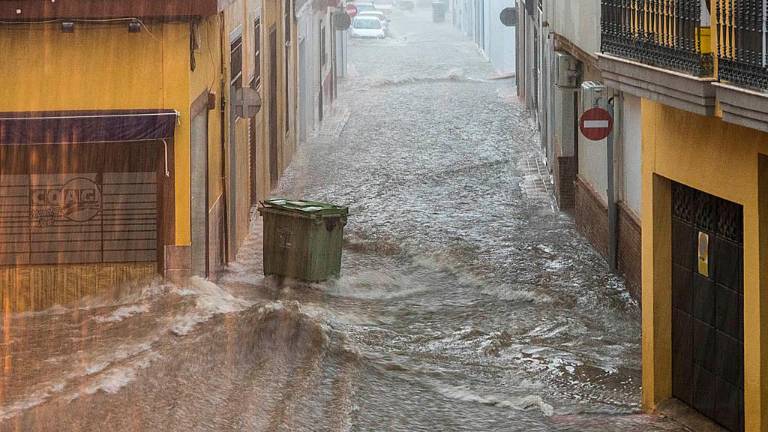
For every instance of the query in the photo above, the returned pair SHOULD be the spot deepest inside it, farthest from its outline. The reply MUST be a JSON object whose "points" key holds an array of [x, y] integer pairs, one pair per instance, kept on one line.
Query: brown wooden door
{"points": [[708, 305]]}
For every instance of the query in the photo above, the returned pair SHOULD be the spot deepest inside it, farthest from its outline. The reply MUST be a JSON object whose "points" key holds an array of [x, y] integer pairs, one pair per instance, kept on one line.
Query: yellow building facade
{"points": [[725, 161], [144, 165], [702, 80]]}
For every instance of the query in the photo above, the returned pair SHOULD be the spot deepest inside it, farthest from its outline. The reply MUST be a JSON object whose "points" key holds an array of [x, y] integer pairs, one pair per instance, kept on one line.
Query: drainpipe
{"points": [[613, 243], [223, 104]]}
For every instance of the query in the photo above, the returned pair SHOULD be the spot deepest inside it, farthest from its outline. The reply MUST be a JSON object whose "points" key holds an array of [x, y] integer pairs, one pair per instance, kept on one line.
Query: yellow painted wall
{"points": [[103, 67], [721, 159]]}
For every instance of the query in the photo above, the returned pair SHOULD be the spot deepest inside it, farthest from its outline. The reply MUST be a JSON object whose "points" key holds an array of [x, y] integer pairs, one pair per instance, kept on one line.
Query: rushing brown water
{"points": [[468, 303]]}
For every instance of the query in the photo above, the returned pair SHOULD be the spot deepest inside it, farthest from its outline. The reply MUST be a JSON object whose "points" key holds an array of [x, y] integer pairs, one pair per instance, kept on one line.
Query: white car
{"points": [[378, 14], [367, 27]]}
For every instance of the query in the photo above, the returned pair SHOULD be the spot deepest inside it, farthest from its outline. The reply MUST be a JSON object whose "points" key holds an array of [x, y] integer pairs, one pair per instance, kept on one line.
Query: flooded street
{"points": [[468, 302]]}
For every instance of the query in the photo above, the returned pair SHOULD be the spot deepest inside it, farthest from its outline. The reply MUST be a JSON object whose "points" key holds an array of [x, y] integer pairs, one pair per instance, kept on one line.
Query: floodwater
{"points": [[467, 301]]}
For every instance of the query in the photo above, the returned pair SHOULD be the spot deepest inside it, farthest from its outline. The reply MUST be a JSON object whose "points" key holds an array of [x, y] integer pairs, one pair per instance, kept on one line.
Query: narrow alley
{"points": [[468, 301]]}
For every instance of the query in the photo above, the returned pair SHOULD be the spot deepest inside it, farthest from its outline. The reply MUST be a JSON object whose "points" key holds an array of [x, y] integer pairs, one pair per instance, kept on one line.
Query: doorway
{"points": [[708, 305], [305, 104], [273, 129], [199, 193], [235, 83]]}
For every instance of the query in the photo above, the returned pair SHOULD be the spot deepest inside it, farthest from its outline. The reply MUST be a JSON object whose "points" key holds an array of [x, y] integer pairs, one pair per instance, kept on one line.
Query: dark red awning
{"points": [[71, 127], [32, 10]]}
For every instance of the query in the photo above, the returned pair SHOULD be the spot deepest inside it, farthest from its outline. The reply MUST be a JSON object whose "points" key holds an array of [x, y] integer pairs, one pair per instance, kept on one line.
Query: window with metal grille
{"points": [[236, 62], [672, 35], [742, 32], [256, 83]]}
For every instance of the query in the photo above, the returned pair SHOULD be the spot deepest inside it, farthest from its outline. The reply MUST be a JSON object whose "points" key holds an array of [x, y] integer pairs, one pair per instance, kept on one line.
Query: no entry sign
{"points": [[596, 124], [351, 10]]}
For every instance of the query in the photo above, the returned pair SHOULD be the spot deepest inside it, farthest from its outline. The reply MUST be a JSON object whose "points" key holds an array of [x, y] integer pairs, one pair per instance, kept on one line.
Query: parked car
{"points": [[378, 15], [367, 27]]}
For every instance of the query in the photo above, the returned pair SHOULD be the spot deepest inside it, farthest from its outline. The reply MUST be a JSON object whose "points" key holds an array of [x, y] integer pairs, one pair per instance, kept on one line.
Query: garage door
{"points": [[79, 204], [708, 305]]}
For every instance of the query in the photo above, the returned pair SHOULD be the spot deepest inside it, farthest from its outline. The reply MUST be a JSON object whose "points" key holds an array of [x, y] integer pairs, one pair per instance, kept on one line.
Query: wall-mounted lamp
{"points": [[134, 26], [67, 27]]}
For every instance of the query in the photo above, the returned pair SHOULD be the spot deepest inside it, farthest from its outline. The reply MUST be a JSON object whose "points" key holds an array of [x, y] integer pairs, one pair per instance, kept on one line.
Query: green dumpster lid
{"points": [[306, 207]]}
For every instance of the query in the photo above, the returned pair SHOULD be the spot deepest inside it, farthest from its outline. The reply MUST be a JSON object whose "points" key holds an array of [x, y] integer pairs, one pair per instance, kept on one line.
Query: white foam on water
{"points": [[122, 313], [525, 403], [375, 284], [210, 300], [33, 400], [115, 379], [116, 355], [513, 294]]}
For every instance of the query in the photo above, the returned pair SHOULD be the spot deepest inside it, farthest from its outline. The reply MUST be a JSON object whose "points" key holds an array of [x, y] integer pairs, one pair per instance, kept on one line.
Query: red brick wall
{"points": [[592, 221], [565, 177], [591, 216], [629, 255]]}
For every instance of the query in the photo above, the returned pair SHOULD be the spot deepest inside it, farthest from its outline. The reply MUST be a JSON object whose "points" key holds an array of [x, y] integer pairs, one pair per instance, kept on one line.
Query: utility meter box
{"points": [[567, 70], [594, 94]]}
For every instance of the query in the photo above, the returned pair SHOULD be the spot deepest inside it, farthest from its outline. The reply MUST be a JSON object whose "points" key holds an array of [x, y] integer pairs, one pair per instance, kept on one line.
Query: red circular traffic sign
{"points": [[351, 10], [596, 124]]}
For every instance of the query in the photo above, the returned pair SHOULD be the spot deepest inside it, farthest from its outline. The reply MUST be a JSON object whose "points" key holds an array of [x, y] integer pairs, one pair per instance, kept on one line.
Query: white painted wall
{"points": [[576, 20], [308, 69], [495, 39], [632, 152], [592, 164], [501, 44]]}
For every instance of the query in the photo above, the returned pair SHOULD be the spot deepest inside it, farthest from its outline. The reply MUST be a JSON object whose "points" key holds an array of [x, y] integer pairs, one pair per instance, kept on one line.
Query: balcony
{"points": [[742, 59], [659, 50], [682, 54]]}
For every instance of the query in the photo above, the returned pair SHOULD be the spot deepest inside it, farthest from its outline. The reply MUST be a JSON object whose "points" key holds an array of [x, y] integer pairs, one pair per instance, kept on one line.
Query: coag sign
{"points": [[79, 200]]}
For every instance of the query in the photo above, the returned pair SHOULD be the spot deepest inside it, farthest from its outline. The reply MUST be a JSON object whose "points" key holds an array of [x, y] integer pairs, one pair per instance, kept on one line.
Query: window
{"points": [[287, 21], [236, 62], [323, 56], [367, 24], [256, 83]]}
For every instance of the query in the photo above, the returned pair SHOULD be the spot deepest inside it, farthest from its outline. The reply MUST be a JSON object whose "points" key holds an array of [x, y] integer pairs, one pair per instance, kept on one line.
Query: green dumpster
{"points": [[303, 239]]}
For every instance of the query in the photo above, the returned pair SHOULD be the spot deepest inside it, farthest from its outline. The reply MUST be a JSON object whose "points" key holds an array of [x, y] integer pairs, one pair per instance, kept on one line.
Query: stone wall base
{"points": [[35, 288], [592, 222]]}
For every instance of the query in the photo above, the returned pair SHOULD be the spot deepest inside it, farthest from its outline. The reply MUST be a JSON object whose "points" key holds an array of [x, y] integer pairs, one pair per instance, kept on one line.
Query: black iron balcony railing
{"points": [[741, 42], [663, 33]]}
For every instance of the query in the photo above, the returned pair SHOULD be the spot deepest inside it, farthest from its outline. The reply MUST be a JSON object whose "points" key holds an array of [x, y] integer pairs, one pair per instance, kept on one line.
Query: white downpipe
{"points": [[165, 148]]}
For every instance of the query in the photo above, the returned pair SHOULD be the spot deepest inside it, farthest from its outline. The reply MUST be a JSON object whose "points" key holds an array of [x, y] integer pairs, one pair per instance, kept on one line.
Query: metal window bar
{"points": [[742, 32], [662, 33]]}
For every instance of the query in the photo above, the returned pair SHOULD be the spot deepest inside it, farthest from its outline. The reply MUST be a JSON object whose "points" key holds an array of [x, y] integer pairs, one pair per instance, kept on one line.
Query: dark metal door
{"points": [[273, 129], [236, 82], [708, 305]]}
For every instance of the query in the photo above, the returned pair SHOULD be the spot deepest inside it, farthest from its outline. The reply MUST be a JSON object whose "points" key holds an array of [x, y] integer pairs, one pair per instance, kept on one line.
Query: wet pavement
{"points": [[467, 301]]}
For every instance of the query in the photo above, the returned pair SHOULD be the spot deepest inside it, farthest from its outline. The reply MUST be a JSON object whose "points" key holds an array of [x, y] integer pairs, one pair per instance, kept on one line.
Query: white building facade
{"points": [[322, 57], [479, 19], [559, 79]]}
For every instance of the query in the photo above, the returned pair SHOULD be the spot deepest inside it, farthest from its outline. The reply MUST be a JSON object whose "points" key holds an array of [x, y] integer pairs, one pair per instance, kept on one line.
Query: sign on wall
{"points": [[596, 124], [78, 218]]}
